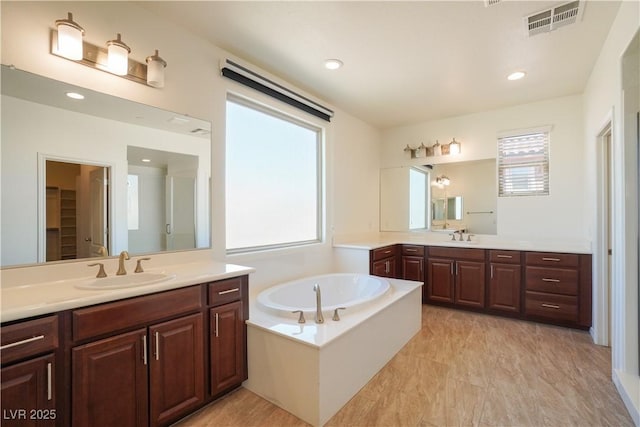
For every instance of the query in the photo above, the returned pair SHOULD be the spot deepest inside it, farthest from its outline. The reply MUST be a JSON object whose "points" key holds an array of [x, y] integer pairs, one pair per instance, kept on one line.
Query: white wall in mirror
{"points": [[30, 129]]}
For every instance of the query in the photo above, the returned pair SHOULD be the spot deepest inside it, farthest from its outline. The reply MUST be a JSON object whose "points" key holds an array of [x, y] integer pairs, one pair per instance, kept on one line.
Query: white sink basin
{"points": [[126, 281]]}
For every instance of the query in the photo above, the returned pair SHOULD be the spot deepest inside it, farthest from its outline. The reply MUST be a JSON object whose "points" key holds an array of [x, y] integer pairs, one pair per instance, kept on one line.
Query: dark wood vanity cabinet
{"points": [[456, 276], [227, 334], [412, 262], [505, 272], [29, 386], [155, 371], [142, 361], [558, 288], [383, 261]]}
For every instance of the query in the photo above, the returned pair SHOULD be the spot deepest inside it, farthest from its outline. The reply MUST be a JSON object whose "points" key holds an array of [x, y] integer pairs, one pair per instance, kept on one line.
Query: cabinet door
{"points": [[109, 380], [384, 267], [176, 368], [227, 347], [440, 280], [27, 396], [413, 268], [504, 287], [469, 283]]}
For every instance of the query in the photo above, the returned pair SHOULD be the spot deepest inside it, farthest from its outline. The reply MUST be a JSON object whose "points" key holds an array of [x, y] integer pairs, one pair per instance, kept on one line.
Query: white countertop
{"points": [[481, 241], [27, 300]]}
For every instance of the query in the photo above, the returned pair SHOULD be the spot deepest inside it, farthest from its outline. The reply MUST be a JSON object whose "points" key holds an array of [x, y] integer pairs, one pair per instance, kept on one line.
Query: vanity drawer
{"points": [[28, 338], [552, 280], [225, 291], [134, 312], [413, 250], [504, 257], [551, 306], [457, 253], [381, 253], [552, 259]]}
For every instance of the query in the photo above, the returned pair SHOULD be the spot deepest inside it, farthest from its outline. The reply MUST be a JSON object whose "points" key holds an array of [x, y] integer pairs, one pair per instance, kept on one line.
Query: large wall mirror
{"points": [[441, 197], [87, 177]]}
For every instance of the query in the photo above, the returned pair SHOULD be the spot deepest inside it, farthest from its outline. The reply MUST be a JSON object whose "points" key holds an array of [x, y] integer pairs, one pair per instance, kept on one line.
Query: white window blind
{"points": [[523, 165]]}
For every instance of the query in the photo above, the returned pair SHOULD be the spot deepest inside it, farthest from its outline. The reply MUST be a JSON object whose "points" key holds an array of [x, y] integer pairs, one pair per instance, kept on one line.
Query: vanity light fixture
{"points": [[441, 181], [113, 59], [118, 56], [155, 70], [69, 38], [437, 149]]}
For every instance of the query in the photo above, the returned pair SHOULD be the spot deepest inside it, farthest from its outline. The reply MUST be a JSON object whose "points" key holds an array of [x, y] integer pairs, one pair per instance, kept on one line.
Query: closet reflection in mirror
{"points": [[76, 210], [445, 209]]}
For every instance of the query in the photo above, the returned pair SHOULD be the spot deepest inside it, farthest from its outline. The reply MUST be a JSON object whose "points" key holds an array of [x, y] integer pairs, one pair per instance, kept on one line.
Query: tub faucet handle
{"points": [[336, 317], [301, 319]]}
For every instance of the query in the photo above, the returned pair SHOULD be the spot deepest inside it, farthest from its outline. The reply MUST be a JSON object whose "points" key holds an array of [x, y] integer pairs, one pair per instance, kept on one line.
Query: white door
{"points": [[99, 231], [181, 212]]}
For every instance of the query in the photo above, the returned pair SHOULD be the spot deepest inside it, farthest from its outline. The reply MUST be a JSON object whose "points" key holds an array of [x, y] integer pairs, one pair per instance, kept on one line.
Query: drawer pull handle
{"points": [[411, 250], [550, 280], [387, 252], [505, 256], [551, 306], [49, 388], [228, 291], [26, 341], [551, 259]]}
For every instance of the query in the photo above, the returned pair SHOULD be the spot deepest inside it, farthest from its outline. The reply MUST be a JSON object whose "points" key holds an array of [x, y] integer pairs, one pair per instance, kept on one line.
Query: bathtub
{"points": [[312, 370], [337, 291]]}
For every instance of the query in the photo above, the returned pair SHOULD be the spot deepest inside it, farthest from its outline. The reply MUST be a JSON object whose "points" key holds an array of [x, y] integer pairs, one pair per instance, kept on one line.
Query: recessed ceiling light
{"points": [[517, 75], [75, 95], [146, 160], [333, 64]]}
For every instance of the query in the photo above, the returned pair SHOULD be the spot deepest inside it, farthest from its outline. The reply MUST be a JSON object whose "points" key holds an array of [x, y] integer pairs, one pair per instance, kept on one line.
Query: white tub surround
{"points": [[312, 370], [49, 288]]}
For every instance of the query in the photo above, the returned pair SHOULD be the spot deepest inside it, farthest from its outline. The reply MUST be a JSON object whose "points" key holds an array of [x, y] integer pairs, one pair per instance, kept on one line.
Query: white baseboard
{"points": [[628, 386]]}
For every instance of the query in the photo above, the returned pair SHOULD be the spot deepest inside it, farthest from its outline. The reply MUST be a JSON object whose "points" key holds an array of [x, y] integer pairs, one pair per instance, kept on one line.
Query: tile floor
{"points": [[465, 369]]}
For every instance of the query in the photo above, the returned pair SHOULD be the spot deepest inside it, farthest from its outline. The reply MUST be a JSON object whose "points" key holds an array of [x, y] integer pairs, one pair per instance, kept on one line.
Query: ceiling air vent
{"points": [[554, 18], [488, 3]]}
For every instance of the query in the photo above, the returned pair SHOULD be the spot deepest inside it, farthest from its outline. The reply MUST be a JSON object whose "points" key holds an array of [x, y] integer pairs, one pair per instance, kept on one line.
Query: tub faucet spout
{"points": [[319, 317]]}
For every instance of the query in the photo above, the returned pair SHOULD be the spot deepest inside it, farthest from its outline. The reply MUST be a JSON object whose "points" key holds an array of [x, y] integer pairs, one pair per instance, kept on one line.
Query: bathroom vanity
{"points": [[546, 282], [145, 360]]}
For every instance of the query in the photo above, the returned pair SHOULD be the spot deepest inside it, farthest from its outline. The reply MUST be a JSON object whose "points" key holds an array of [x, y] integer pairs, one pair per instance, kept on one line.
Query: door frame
{"points": [[600, 330], [42, 197]]}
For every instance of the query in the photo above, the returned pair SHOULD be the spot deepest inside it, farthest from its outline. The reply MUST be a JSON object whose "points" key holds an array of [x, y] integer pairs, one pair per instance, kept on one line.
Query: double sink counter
{"points": [[545, 281]]}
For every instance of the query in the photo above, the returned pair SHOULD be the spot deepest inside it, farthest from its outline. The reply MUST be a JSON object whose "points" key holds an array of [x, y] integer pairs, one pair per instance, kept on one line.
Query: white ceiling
{"points": [[404, 62]]}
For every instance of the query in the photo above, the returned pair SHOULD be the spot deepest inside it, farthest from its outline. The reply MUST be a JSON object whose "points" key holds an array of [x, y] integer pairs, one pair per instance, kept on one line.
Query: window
{"points": [[523, 164], [418, 197], [273, 179]]}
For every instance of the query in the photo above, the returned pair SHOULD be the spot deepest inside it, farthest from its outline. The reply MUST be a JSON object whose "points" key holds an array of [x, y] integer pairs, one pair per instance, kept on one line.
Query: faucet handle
{"points": [[101, 272], [453, 236], [301, 319], [336, 317], [469, 237], [139, 265]]}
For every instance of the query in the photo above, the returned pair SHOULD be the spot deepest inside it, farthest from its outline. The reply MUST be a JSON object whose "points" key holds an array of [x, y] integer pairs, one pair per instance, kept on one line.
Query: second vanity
{"points": [[143, 355], [543, 281]]}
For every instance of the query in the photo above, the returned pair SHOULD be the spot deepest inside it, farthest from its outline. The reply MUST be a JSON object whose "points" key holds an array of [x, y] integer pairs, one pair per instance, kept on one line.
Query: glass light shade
{"points": [[69, 38], [118, 57], [454, 147], [155, 70]]}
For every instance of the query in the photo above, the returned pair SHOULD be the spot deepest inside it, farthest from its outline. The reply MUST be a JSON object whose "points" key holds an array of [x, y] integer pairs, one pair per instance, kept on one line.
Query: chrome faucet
{"points": [[319, 317], [124, 255]]}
